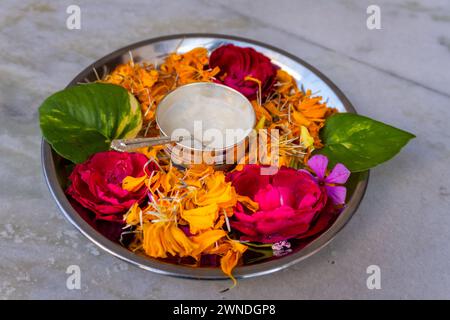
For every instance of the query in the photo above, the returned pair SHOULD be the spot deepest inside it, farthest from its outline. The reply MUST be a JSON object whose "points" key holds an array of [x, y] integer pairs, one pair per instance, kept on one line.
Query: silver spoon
{"points": [[127, 145]]}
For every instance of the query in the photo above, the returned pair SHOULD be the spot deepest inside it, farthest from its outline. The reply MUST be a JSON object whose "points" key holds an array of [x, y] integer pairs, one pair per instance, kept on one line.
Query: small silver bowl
{"points": [[155, 50], [170, 118]]}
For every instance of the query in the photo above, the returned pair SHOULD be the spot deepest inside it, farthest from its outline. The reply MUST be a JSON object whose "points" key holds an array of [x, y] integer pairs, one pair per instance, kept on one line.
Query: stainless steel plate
{"points": [[155, 50]]}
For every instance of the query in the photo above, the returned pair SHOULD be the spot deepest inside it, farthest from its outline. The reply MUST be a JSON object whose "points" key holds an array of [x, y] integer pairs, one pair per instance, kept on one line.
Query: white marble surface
{"points": [[399, 74]]}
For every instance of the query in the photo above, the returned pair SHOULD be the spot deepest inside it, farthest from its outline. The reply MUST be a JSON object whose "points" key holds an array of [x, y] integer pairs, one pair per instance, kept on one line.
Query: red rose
{"points": [[290, 202], [236, 63], [97, 183]]}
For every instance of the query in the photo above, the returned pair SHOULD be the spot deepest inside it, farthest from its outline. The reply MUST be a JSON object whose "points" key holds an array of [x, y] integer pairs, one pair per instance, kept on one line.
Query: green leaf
{"points": [[82, 120], [360, 143]]}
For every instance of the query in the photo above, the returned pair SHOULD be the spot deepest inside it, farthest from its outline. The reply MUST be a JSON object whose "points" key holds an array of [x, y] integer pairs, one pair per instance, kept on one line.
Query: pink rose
{"points": [[236, 63], [290, 202], [96, 184]]}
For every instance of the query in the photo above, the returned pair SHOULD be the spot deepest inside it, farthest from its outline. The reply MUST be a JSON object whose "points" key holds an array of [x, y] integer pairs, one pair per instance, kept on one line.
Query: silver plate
{"points": [[154, 50]]}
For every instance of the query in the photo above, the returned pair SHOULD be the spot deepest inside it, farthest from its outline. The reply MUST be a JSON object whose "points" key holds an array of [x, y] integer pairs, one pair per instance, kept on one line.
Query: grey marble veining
{"points": [[398, 74]]}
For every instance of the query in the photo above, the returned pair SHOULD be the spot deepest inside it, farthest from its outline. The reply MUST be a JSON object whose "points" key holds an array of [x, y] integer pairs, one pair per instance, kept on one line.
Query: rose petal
{"points": [[323, 221], [287, 197], [248, 181], [289, 177], [268, 198], [308, 201]]}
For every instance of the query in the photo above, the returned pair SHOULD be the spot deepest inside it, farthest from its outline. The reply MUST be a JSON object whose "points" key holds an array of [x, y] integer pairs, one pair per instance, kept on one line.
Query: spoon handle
{"points": [[125, 145]]}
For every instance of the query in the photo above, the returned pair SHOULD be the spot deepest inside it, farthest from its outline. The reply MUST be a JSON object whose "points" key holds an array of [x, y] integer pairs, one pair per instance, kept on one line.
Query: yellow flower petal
{"points": [[169, 180], [162, 238], [201, 218], [231, 258], [305, 138], [133, 216], [217, 191], [133, 184], [205, 240], [300, 119], [261, 122], [182, 245], [150, 152]]}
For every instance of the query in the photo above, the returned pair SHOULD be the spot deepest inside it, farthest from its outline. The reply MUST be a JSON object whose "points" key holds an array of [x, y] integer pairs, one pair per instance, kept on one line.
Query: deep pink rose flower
{"points": [[97, 183], [236, 63], [289, 204]]}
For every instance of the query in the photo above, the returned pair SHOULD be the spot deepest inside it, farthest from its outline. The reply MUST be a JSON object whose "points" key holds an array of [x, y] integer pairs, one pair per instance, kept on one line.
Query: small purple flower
{"points": [[333, 181], [281, 248]]}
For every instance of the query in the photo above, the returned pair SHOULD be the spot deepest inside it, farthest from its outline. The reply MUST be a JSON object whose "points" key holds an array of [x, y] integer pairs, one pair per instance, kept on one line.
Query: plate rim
{"points": [[165, 268]]}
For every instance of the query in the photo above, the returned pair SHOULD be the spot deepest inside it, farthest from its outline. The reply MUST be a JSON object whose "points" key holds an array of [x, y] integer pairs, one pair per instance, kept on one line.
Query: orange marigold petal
{"points": [[231, 258], [133, 184], [162, 238], [201, 218], [206, 240], [133, 216]]}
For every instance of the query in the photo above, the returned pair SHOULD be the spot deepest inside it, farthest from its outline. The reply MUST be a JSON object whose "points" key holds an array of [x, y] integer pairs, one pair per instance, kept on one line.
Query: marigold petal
{"points": [[231, 258], [201, 218], [205, 240], [133, 216], [133, 184]]}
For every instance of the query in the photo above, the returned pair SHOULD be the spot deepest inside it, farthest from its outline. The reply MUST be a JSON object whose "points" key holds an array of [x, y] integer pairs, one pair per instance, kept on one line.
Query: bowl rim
{"points": [[219, 85], [181, 271]]}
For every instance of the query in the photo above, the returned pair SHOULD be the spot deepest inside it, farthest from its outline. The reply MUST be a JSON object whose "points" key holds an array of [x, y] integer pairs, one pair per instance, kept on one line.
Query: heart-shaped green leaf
{"points": [[360, 143], [82, 120]]}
